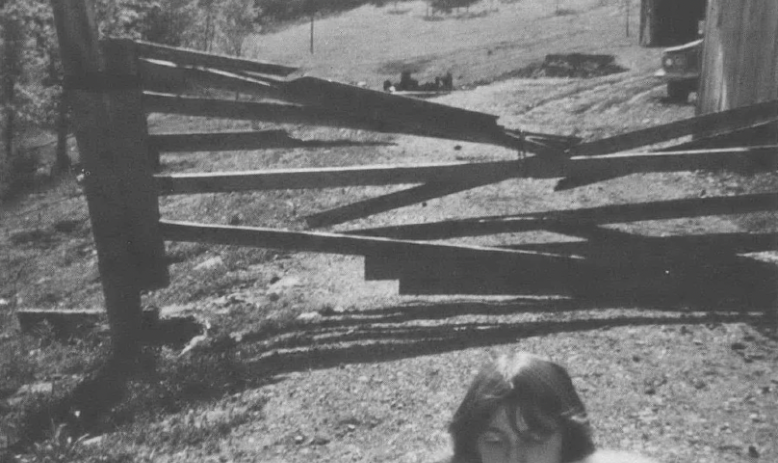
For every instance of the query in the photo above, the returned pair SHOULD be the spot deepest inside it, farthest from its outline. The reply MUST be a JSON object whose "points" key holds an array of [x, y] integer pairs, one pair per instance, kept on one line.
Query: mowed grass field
{"points": [[305, 361]]}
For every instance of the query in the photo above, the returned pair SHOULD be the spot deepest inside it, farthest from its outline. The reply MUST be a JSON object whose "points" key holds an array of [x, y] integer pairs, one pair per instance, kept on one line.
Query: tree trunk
{"points": [[6, 153], [63, 161], [10, 66]]}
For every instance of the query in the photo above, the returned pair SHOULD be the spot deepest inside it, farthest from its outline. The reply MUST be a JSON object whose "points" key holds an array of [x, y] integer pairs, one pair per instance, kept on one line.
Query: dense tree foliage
{"points": [[30, 71]]}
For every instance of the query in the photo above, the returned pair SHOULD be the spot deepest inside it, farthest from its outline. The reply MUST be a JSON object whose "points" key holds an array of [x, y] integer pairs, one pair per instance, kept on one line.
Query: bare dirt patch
{"points": [[575, 65]]}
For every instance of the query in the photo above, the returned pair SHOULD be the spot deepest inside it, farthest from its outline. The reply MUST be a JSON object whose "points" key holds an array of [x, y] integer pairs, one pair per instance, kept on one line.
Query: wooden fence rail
{"points": [[398, 199], [762, 158], [623, 213], [331, 116], [161, 76], [749, 159], [633, 252], [332, 177], [334, 243], [243, 140], [154, 102], [186, 57], [218, 141], [653, 248], [702, 126]]}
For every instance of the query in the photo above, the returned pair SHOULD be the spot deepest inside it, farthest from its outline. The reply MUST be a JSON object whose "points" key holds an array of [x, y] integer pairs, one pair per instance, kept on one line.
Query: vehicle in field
{"points": [[681, 70]]}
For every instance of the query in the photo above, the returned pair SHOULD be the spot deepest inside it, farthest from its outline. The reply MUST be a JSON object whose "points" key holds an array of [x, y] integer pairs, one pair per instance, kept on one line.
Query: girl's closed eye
{"points": [[493, 438], [535, 437]]}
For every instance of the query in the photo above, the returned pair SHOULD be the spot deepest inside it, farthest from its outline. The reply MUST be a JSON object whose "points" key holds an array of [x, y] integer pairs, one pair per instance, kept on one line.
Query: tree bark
{"points": [[62, 159], [10, 65]]}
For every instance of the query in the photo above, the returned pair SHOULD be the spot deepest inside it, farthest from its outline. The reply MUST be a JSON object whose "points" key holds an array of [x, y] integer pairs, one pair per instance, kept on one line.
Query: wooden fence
{"points": [[116, 84]]}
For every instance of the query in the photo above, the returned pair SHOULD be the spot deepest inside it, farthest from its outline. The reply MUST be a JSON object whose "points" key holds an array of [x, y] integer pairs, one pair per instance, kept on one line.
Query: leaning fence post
{"points": [[112, 138]]}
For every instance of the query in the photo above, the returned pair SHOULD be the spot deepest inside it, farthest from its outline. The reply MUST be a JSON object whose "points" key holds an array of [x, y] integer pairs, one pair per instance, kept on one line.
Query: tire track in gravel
{"points": [[578, 88], [618, 95]]}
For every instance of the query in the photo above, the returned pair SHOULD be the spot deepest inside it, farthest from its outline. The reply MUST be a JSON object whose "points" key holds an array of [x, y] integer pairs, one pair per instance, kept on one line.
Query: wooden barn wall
{"points": [[665, 23], [647, 24], [740, 54]]}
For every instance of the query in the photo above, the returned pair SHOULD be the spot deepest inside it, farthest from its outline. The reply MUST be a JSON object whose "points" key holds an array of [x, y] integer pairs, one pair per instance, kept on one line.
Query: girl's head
{"points": [[524, 408]]}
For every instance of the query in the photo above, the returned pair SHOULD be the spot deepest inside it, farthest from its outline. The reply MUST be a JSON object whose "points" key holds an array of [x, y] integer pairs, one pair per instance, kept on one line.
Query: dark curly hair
{"points": [[540, 390]]}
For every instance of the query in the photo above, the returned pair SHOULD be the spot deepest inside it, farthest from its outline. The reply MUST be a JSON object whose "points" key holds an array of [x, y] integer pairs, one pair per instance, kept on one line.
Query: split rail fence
{"points": [[115, 84]]}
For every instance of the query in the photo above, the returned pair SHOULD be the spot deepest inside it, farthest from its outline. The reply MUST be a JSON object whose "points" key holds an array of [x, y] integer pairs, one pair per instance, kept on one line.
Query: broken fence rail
{"points": [[632, 251], [623, 213], [161, 76], [176, 70], [699, 126], [241, 140], [440, 122], [186, 57], [737, 159], [331, 177], [333, 243], [397, 199]]}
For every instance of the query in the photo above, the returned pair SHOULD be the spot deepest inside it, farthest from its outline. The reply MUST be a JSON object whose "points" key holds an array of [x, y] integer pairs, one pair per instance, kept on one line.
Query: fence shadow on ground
{"points": [[417, 328], [405, 331]]}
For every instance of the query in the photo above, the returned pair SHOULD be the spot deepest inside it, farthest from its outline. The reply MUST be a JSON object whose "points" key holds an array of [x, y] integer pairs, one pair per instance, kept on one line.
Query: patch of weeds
{"points": [[33, 236], [32, 419], [23, 168], [16, 365], [221, 279], [14, 268], [81, 356], [273, 319], [399, 12], [573, 65], [239, 258], [414, 65], [565, 12], [68, 225], [215, 282], [178, 252], [63, 366], [192, 428], [77, 252], [226, 274], [41, 354], [473, 14], [178, 381], [104, 403], [59, 447]]}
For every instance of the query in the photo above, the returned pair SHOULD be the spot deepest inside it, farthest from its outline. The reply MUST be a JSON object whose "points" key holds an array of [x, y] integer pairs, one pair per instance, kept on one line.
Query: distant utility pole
{"points": [[626, 15], [312, 11]]}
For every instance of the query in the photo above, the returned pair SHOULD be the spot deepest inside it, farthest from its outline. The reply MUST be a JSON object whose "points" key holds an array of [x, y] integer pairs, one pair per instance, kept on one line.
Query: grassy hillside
{"points": [[493, 38]]}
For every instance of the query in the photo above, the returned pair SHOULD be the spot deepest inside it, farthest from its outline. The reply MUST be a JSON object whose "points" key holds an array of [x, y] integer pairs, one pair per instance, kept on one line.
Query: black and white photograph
{"points": [[390, 231]]}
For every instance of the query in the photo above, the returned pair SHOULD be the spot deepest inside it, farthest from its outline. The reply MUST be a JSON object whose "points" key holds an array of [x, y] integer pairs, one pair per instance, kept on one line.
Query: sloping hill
{"points": [[493, 38]]}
